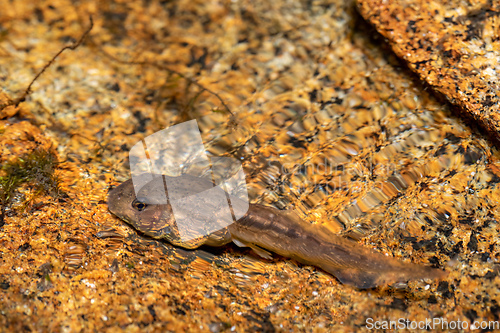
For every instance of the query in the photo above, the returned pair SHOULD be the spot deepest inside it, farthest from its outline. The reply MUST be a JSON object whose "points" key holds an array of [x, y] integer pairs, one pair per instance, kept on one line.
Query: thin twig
{"points": [[73, 46], [167, 69]]}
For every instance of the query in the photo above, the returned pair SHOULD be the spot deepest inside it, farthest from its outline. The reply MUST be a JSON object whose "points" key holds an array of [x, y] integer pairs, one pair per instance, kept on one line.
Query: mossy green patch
{"points": [[36, 168]]}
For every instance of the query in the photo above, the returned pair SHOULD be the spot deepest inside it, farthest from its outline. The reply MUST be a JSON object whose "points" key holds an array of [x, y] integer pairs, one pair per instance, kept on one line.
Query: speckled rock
{"points": [[325, 120], [452, 45]]}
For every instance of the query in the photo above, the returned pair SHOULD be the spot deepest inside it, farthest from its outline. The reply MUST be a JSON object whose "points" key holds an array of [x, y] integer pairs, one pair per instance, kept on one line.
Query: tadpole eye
{"points": [[139, 205]]}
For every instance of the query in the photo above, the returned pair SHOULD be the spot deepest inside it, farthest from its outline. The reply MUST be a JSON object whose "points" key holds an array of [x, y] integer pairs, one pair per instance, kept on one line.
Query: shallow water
{"points": [[327, 121]]}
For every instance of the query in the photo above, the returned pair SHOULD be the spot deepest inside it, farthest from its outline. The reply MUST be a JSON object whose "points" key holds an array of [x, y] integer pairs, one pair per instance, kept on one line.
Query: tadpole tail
{"points": [[286, 234], [356, 265]]}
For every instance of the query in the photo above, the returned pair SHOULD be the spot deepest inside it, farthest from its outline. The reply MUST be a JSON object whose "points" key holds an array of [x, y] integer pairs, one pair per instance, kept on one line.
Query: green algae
{"points": [[36, 169]]}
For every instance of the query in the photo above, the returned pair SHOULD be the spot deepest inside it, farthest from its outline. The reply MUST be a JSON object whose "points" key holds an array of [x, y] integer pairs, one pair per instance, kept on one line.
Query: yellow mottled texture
{"points": [[326, 120]]}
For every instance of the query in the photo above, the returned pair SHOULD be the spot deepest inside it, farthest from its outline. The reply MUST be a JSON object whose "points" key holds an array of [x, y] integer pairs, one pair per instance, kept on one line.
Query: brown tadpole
{"points": [[286, 234], [264, 229]]}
